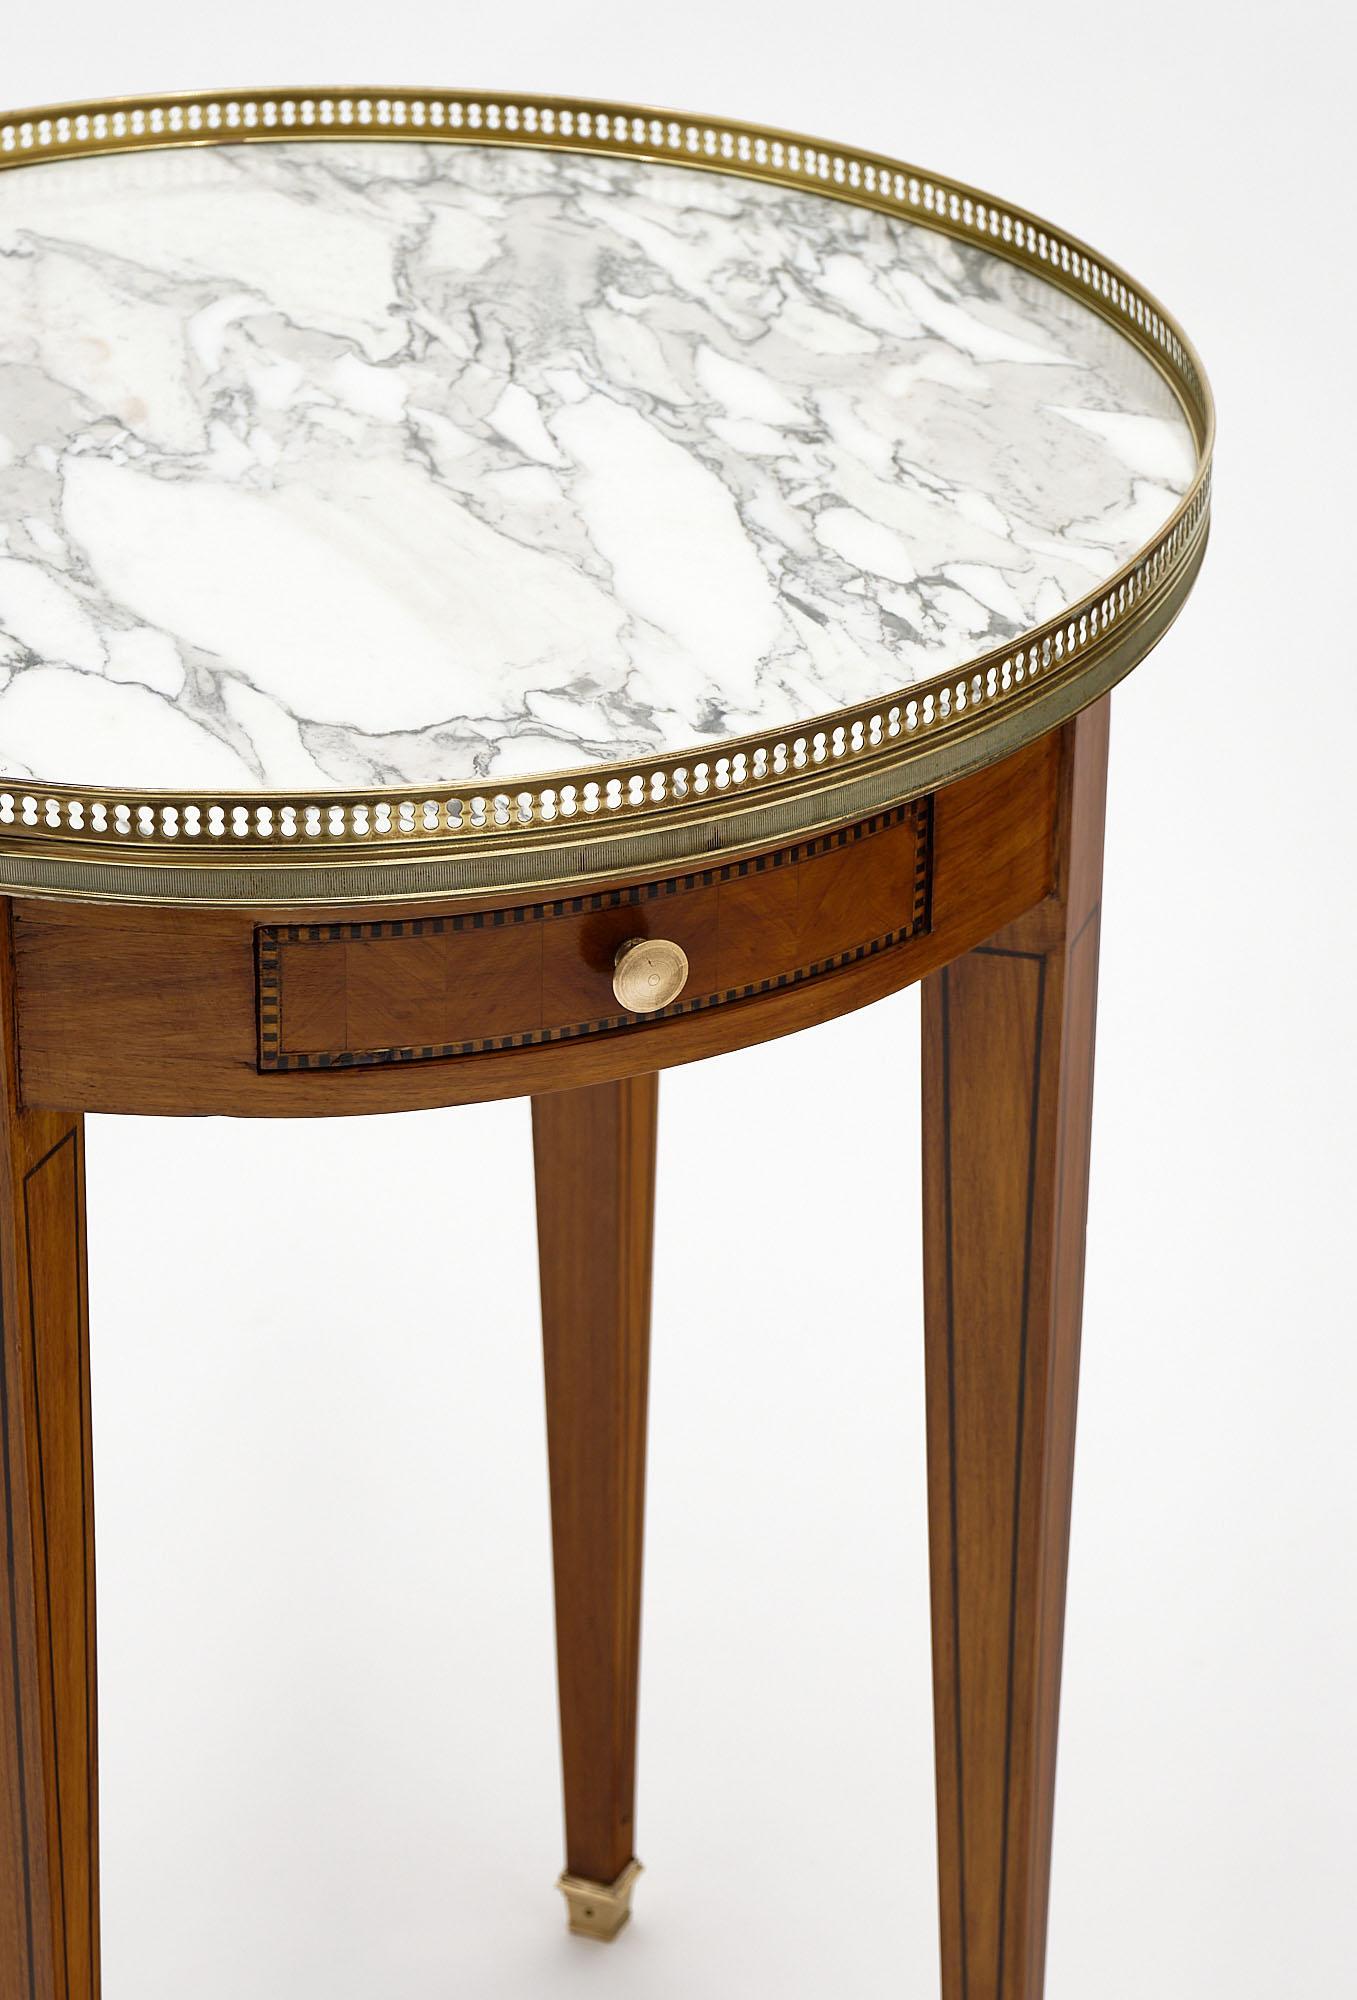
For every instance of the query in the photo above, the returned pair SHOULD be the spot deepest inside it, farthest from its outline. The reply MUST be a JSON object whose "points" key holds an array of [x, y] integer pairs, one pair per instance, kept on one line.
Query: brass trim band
{"points": [[398, 844]]}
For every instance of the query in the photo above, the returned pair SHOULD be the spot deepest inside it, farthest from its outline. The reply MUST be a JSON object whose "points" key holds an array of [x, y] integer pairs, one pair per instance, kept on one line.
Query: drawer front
{"points": [[342, 995]]}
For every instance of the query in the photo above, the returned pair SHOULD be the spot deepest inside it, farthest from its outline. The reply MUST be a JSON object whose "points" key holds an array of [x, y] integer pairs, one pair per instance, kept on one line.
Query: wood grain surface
{"points": [[1007, 1090], [49, 1886], [594, 1153]]}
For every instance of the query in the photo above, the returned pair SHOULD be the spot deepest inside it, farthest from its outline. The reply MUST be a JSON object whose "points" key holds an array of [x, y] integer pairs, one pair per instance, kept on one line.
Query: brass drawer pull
{"points": [[648, 973]]}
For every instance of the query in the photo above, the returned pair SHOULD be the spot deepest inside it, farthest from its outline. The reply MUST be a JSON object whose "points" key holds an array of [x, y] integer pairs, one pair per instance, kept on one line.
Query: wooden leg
{"points": [[595, 1160], [1008, 1082], [49, 1879]]}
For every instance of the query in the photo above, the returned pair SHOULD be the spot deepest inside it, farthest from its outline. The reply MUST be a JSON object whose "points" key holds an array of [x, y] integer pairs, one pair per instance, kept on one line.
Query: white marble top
{"points": [[353, 465]]}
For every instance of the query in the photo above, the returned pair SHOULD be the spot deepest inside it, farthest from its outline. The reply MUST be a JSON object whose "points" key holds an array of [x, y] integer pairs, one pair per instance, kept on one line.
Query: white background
{"points": [[326, 1679]]}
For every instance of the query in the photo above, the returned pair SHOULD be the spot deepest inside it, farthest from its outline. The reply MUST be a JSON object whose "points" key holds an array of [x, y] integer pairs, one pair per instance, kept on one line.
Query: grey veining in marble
{"points": [[352, 465]]}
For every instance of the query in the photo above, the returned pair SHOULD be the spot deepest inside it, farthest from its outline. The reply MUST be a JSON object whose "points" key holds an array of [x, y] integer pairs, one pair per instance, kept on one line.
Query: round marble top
{"points": [[339, 465]]}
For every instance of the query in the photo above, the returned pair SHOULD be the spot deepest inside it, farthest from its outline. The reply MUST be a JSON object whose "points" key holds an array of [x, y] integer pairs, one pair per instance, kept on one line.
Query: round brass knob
{"points": [[648, 973]]}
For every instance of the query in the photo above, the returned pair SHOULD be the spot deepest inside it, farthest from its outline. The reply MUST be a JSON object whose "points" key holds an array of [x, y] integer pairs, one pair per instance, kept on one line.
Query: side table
{"points": [[501, 595]]}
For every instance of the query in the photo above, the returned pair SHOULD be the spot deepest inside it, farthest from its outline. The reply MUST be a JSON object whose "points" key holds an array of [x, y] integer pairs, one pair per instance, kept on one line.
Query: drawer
{"points": [[339, 995]]}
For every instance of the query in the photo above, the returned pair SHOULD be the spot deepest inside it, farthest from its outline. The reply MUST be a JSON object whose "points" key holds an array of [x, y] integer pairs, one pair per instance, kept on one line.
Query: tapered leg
{"points": [[595, 1160], [49, 1886], [1008, 1081]]}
